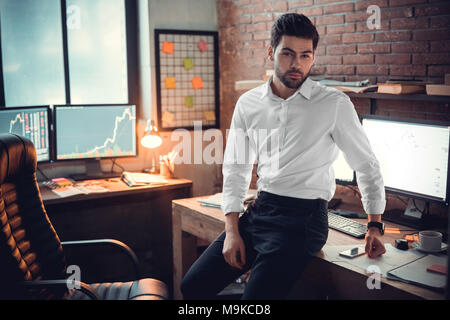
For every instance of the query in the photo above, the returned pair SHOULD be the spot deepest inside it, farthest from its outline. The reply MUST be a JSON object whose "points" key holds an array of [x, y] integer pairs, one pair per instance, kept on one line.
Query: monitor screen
{"points": [[31, 123], [94, 132], [413, 156], [342, 171]]}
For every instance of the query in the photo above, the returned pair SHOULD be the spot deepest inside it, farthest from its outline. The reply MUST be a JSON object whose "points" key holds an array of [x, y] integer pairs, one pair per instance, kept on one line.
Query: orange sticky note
{"points": [[167, 47], [197, 83], [209, 115], [170, 83], [392, 230], [412, 237], [168, 116]]}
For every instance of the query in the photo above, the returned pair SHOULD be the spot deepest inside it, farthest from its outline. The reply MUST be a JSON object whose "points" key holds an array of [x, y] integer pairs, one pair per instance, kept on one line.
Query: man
{"points": [[303, 125]]}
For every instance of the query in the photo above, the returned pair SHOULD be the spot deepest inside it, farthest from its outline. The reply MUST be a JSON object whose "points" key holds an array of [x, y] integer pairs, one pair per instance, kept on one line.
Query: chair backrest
{"points": [[29, 246]]}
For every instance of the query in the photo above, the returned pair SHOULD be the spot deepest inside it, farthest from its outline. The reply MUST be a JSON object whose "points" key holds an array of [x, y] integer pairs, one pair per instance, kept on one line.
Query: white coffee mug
{"points": [[430, 240]]}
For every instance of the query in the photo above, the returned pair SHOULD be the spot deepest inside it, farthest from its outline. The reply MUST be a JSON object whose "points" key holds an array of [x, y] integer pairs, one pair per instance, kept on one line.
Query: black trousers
{"points": [[281, 235]]}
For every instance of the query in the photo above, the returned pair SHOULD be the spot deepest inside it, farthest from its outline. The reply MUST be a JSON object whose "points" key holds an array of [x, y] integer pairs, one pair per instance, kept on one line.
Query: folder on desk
{"points": [[133, 179], [416, 272]]}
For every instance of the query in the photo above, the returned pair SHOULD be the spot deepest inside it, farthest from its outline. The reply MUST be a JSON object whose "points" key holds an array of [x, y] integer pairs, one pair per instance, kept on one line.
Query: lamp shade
{"points": [[151, 138]]}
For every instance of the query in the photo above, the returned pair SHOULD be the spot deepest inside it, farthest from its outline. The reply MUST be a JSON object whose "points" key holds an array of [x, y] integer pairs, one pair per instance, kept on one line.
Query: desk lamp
{"points": [[151, 140]]}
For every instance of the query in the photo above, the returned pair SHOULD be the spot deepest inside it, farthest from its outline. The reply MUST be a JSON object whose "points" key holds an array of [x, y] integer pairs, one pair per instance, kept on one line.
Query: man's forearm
{"points": [[231, 222], [374, 217]]}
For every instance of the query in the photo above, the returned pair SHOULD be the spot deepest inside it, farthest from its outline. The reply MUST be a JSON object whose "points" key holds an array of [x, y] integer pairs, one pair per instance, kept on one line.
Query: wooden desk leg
{"points": [[177, 254], [184, 253]]}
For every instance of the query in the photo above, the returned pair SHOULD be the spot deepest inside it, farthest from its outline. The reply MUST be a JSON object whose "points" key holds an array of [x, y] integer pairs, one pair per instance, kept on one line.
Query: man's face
{"points": [[293, 59]]}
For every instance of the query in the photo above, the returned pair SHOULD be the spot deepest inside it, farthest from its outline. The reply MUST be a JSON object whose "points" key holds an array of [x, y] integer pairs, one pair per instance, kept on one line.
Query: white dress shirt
{"points": [[295, 142]]}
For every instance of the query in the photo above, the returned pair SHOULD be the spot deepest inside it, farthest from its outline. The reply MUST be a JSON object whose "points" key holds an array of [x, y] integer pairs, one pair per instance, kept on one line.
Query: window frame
{"points": [[131, 50]]}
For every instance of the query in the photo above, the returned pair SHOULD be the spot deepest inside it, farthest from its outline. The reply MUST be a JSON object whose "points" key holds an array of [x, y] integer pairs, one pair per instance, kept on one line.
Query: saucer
{"points": [[418, 247]]}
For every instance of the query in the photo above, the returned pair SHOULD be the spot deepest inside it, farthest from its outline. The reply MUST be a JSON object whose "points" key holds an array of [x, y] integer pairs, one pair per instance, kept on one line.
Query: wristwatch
{"points": [[379, 225]]}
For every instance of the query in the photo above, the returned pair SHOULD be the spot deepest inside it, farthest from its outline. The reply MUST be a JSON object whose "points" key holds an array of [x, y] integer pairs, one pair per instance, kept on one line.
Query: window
{"points": [[84, 61], [97, 51], [32, 52]]}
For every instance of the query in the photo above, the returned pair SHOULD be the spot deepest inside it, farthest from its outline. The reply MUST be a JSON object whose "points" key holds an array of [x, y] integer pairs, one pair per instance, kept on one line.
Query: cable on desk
{"points": [[42, 173], [398, 198], [114, 163], [426, 209], [355, 191]]}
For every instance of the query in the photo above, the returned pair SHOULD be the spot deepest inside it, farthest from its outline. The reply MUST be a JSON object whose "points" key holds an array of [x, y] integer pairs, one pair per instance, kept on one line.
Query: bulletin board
{"points": [[187, 78]]}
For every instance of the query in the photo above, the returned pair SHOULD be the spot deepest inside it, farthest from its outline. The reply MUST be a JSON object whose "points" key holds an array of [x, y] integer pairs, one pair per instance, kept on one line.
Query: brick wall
{"points": [[412, 43]]}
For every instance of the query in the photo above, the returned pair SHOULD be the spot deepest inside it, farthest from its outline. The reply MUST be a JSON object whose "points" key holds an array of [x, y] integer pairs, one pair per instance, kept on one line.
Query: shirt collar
{"points": [[305, 89]]}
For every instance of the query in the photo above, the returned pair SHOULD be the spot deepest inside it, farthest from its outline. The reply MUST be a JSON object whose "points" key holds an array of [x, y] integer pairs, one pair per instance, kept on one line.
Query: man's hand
{"points": [[374, 243], [233, 246], [374, 238]]}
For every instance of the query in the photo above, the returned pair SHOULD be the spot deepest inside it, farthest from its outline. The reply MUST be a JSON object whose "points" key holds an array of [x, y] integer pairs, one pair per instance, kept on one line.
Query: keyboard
{"points": [[346, 225]]}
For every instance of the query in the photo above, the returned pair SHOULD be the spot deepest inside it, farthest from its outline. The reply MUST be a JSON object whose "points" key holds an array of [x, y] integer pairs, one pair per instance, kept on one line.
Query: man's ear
{"points": [[270, 53]]}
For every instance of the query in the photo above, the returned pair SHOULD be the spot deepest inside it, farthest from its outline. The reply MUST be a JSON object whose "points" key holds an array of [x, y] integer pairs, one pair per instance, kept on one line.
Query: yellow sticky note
{"points": [[170, 83], [167, 116], [197, 83], [167, 47], [188, 63], [209, 115], [189, 101]]}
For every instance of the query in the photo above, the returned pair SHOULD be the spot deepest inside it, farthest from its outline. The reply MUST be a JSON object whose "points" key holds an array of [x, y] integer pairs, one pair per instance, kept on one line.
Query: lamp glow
{"points": [[151, 138]]}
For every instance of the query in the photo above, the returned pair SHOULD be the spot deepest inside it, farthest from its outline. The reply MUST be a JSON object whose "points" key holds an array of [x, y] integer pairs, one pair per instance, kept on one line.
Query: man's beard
{"points": [[289, 82]]}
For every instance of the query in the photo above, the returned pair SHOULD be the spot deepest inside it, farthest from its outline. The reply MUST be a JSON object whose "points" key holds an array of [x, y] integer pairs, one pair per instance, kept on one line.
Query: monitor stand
{"points": [[411, 217], [94, 171]]}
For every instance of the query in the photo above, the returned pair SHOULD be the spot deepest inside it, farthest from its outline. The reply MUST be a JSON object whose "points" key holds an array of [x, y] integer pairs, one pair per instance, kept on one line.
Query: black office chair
{"points": [[32, 260]]}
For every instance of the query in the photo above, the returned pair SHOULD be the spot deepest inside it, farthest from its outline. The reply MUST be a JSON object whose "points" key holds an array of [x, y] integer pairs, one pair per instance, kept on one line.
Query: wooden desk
{"points": [[322, 279], [139, 216]]}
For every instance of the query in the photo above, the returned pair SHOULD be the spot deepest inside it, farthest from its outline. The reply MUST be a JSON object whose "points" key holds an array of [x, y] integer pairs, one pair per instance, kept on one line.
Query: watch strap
{"points": [[376, 224]]}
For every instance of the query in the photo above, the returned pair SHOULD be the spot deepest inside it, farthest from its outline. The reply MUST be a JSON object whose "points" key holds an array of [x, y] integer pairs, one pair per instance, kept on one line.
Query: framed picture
{"points": [[187, 79]]}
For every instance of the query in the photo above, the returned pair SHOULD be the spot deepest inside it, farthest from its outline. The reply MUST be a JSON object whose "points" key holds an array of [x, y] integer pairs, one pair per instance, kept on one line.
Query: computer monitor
{"points": [[342, 171], [414, 160], [344, 175], [95, 132], [31, 123]]}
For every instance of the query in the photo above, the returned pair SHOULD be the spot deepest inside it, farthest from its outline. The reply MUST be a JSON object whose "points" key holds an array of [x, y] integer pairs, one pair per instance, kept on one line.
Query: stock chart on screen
{"points": [[84, 132], [31, 123]]}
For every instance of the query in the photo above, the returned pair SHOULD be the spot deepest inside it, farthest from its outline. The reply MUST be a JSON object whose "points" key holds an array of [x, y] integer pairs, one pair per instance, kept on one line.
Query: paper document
{"points": [[79, 188], [68, 191], [89, 187], [216, 199]]}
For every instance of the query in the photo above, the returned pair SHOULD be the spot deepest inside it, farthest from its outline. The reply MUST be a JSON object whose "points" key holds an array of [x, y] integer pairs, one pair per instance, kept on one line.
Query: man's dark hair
{"points": [[293, 24]]}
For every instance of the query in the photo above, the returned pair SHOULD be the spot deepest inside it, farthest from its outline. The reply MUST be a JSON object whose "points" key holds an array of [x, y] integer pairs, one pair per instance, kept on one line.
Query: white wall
{"points": [[167, 14], [181, 15]]}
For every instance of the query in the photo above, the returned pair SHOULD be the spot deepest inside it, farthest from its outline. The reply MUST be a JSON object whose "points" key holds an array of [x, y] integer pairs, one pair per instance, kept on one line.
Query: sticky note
{"points": [[167, 116], [170, 83], [188, 63], [197, 83], [202, 45], [167, 47], [209, 115], [189, 101]]}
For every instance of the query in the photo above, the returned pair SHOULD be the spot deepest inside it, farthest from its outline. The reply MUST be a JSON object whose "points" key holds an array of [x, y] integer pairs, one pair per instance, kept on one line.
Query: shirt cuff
{"points": [[374, 206], [232, 204]]}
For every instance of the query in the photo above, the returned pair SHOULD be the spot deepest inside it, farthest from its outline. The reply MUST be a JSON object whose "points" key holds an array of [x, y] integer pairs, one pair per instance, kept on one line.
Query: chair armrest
{"points": [[78, 285], [112, 242]]}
